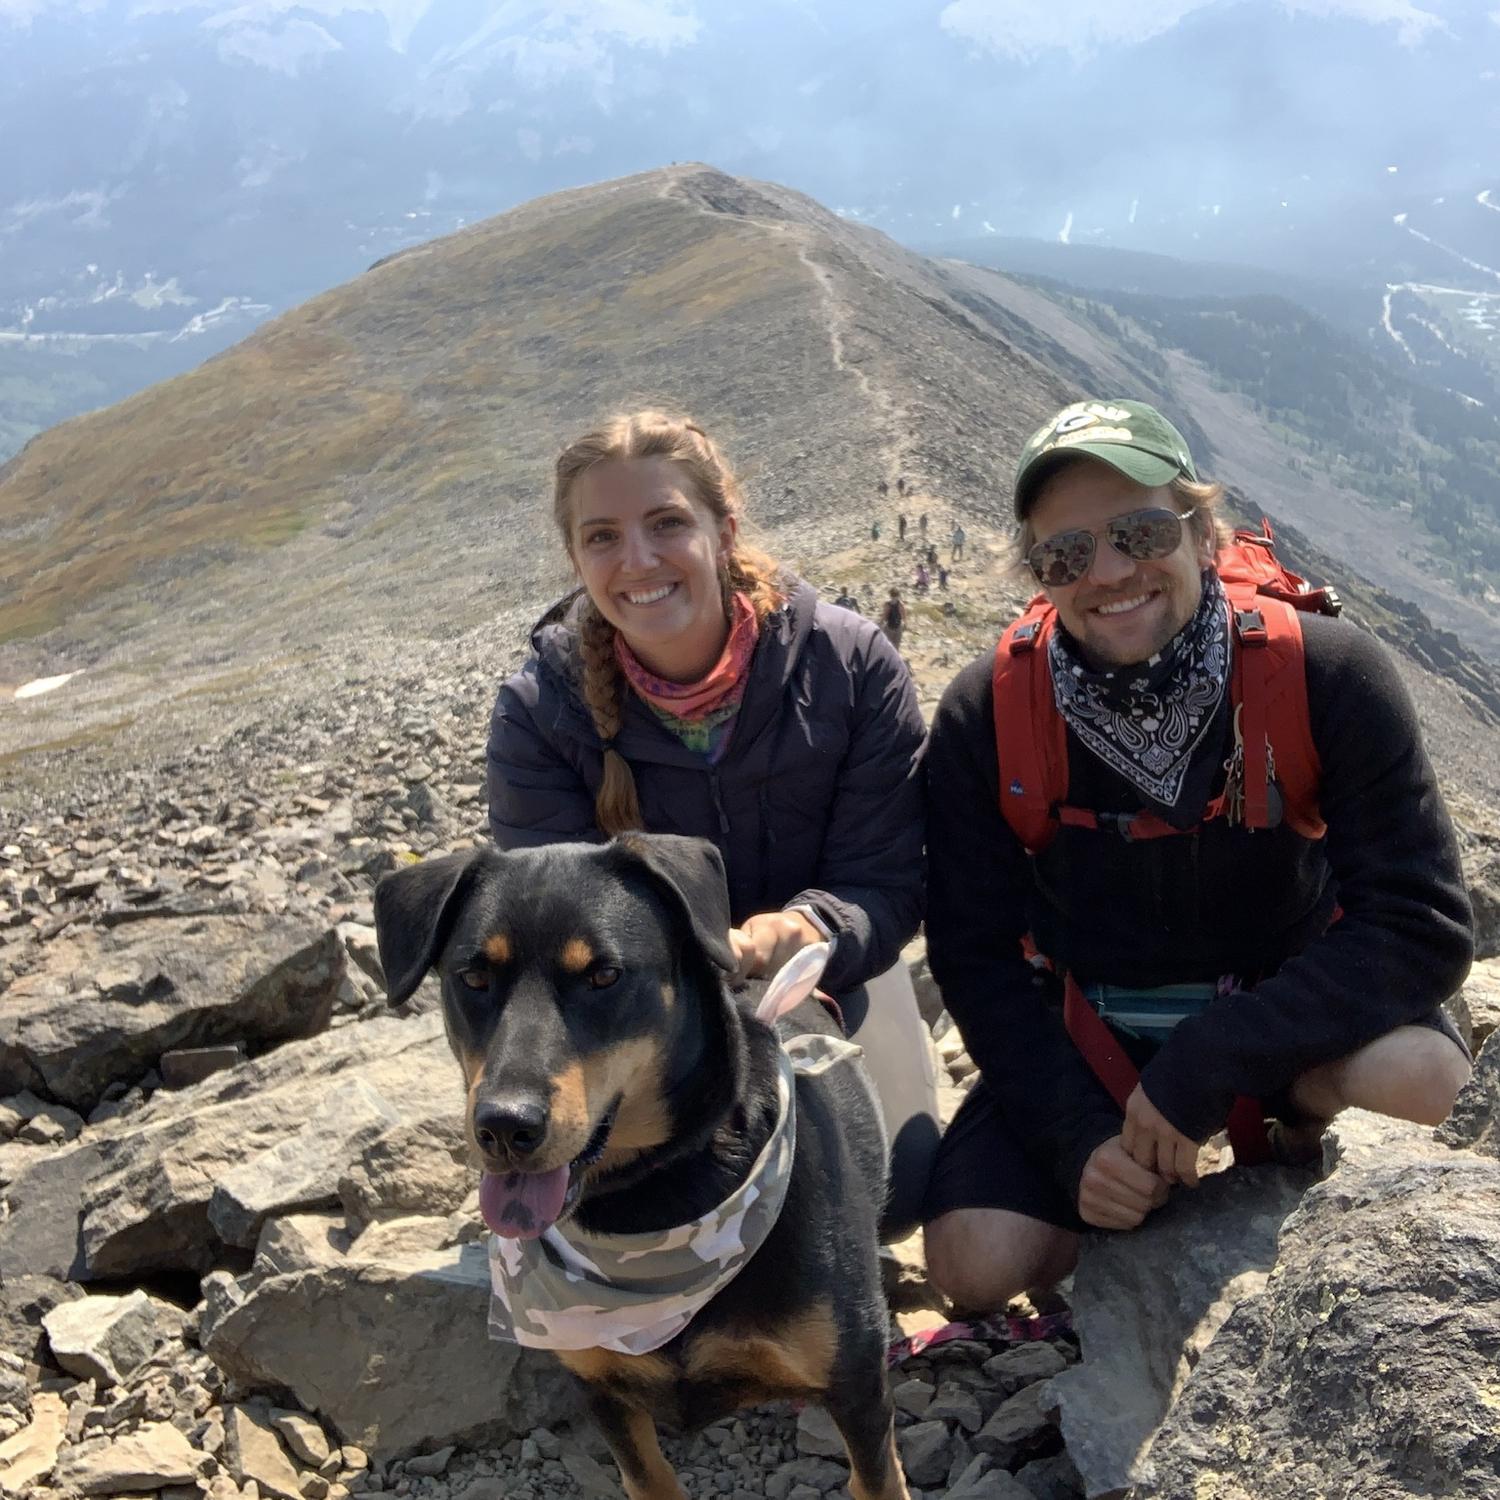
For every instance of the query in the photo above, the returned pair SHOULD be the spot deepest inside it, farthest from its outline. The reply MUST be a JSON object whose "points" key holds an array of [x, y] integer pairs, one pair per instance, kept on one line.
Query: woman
{"points": [[690, 687]]}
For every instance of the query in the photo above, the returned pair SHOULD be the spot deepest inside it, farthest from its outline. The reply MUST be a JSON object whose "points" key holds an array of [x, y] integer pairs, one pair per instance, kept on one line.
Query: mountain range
{"points": [[190, 167], [358, 491]]}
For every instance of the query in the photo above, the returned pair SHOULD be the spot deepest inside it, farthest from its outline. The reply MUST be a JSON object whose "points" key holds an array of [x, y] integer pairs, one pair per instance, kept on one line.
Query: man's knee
{"points": [[1413, 1073], [980, 1258], [1437, 1071]]}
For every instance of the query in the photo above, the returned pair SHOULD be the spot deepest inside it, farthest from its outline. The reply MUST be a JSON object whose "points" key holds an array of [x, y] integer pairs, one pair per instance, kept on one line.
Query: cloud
{"points": [[1025, 29]]}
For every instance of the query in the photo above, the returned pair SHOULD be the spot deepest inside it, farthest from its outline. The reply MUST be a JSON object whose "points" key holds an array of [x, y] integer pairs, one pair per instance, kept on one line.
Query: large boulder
{"points": [[1146, 1305], [1366, 1364], [1474, 1124], [270, 1136], [1481, 996], [106, 1002], [391, 1350]]}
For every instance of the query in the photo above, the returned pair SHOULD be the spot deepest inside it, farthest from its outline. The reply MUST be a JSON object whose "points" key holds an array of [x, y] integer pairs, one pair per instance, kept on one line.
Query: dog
{"points": [[616, 1087]]}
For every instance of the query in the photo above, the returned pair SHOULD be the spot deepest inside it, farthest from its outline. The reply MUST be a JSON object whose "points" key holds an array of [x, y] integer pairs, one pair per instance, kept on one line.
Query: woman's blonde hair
{"points": [[1205, 498], [746, 570]]}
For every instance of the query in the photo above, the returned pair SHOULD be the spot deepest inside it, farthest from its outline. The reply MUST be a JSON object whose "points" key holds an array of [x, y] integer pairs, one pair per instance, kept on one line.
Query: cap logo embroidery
{"points": [[1093, 433]]}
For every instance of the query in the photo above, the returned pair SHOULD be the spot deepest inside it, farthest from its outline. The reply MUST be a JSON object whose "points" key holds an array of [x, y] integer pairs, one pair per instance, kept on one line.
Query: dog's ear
{"points": [[691, 873], [414, 910]]}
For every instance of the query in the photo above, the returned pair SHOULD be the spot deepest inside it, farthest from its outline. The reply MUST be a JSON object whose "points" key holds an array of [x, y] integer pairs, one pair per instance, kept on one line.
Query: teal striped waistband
{"points": [[1149, 1015]]}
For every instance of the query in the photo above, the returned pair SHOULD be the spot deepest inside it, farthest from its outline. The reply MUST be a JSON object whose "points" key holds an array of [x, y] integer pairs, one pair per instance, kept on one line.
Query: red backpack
{"points": [[1276, 772], [1275, 776]]}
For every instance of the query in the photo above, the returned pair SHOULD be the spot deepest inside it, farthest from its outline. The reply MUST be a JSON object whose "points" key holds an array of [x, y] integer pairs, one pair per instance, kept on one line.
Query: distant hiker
{"points": [[893, 618], [901, 527], [874, 531], [957, 540], [932, 554], [942, 577], [922, 525], [1213, 947], [901, 486], [688, 652], [846, 600], [922, 579], [882, 488]]}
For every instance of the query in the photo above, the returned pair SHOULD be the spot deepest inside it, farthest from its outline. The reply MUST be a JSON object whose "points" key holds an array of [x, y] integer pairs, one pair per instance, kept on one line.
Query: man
{"points": [[957, 539], [1232, 965]]}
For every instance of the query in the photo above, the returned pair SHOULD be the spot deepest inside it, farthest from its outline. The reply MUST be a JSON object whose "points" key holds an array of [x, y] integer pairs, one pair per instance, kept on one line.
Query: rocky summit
{"points": [[240, 1252]]}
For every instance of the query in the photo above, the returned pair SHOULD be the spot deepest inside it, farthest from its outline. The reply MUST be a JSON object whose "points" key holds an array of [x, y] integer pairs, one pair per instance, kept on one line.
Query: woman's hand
{"points": [[764, 942]]}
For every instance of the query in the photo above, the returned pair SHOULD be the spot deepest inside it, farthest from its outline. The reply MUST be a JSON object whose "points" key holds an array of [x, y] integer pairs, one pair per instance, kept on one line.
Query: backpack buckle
{"points": [[1250, 627], [1025, 637]]}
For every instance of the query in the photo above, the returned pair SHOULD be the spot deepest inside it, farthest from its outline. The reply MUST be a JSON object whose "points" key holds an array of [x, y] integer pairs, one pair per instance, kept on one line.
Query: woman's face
{"points": [[649, 552]]}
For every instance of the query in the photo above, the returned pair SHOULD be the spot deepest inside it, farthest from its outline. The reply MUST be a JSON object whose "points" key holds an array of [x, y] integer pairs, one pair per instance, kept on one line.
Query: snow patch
{"points": [[39, 685]]}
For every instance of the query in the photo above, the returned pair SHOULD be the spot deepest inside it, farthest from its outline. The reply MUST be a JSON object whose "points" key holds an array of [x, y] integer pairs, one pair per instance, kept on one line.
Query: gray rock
{"points": [[412, 1169], [298, 1242], [958, 1406], [1019, 1424], [28, 1455], [428, 1373], [1145, 1305], [1366, 1364], [928, 1450], [1481, 995], [134, 1194], [149, 1459], [1475, 1121], [1012, 1368], [24, 1302], [188, 1065], [179, 982], [303, 1437], [816, 1434], [252, 1451], [430, 1465], [912, 1396], [52, 1125], [301, 1170], [104, 1338], [1053, 1478], [993, 1484]]}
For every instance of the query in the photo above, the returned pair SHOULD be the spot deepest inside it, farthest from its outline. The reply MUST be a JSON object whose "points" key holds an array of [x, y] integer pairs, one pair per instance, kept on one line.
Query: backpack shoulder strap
{"points": [[1030, 737], [1269, 691]]}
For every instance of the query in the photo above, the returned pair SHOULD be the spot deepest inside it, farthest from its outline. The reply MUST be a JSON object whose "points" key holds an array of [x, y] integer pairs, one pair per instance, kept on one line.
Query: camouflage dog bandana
{"points": [[631, 1293]]}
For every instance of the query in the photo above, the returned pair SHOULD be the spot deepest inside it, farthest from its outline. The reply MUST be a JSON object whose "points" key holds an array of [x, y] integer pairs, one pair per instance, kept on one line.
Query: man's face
{"points": [[1121, 611]]}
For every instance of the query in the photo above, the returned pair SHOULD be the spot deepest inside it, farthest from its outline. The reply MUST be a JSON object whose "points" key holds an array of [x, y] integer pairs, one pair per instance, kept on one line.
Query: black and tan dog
{"points": [[612, 1079]]}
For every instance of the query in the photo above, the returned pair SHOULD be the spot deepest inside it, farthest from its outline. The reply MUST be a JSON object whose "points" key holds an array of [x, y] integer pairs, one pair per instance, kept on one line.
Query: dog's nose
{"points": [[510, 1127]]}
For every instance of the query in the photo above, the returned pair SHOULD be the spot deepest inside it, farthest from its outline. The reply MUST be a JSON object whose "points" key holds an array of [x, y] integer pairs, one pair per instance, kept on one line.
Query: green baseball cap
{"points": [[1127, 435]]}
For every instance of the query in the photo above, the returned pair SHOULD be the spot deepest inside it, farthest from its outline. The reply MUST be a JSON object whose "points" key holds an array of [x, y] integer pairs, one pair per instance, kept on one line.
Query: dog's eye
{"points": [[474, 979], [602, 977]]}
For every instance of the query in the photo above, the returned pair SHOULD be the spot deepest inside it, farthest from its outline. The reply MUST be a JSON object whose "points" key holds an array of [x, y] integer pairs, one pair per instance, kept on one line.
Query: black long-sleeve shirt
{"points": [[1224, 900]]}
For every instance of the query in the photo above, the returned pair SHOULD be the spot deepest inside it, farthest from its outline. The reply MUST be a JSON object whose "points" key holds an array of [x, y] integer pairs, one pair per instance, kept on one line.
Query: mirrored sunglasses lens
{"points": [[1062, 559], [1146, 534]]}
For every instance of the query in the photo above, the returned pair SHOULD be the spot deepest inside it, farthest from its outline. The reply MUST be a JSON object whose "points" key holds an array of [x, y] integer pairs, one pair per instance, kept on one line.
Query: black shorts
{"points": [[980, 1163]]}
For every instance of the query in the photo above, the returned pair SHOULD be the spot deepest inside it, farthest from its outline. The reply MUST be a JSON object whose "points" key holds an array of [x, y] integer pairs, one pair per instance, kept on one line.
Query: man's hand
{"points": [[768, 939], [1116, 1192], [1157, 1145]]}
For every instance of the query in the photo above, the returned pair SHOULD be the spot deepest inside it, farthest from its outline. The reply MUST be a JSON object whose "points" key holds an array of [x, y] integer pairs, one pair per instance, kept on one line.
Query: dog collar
{"points": [[631, 1293]]}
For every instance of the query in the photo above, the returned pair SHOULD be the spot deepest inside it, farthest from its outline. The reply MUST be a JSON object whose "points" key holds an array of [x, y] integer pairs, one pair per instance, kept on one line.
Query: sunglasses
{"points": [[1144, 535]]}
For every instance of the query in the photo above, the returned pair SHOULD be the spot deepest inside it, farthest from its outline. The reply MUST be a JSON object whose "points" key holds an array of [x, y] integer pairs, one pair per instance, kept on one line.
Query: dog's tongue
{"points": [[522, 1205]]}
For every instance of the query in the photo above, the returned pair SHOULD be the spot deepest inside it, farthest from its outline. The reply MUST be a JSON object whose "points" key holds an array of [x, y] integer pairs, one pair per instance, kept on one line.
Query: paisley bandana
{"points": [[1146, 721]]}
